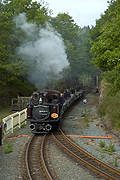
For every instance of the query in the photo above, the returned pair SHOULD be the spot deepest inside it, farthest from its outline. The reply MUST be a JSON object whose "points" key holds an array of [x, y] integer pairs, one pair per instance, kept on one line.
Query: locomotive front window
{"points": [[52, 98]]}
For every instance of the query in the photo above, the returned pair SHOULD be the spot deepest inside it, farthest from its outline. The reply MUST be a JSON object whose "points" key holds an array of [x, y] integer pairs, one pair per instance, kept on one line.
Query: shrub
{"points": [[113, 77], [110, 108]]}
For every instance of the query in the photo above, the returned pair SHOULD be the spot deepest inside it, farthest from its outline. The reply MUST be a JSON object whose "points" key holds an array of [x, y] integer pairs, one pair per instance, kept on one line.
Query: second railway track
{"points": [[82, 156]]}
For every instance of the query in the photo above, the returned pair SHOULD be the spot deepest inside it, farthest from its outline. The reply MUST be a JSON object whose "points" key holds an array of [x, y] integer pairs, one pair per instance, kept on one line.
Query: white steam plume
{"points": [[45, 50]]}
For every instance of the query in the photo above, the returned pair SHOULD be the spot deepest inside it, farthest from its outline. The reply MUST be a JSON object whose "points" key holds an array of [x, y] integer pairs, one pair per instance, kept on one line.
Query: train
{"points": [[45, 110]]}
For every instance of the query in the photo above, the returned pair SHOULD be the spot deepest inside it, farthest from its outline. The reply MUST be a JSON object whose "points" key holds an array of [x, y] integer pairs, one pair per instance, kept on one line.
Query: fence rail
{"points": [[12, 121]]}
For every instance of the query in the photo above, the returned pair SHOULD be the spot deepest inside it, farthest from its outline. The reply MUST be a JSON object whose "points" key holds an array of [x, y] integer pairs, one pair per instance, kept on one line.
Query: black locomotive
{"points": [[46, 109], [43, 111]]}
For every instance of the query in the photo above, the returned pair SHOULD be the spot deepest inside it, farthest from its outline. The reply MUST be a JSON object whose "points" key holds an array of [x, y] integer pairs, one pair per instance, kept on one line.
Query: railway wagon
{"points": [[44, 111]]}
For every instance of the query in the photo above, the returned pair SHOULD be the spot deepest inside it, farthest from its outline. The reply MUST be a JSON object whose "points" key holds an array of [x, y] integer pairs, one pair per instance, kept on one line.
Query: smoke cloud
{"points": [[44, 49]]}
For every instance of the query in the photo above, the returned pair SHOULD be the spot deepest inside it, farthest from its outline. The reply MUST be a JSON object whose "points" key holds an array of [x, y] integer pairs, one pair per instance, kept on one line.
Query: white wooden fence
{"points": [[13, 120]]}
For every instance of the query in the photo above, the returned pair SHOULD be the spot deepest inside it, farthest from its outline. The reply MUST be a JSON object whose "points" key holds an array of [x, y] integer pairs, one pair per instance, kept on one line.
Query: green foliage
{"points": [[13, 72], [23, 125], [66, 26], [9, 148], [102, 144], [102, 156], [110, 110], [77, 43], [112, 77], [106, 44], [110, 148], [107, 148], [106, 50], [4, 111]]}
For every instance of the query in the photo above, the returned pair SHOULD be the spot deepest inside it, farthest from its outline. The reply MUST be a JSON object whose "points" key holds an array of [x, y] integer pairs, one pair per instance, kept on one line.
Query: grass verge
{"points": [[109, 110]]}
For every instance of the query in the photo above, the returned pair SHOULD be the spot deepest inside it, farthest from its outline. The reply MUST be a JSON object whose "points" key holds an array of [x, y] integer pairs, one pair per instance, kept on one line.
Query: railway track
{"points": [[84, 157], [36, 166]]}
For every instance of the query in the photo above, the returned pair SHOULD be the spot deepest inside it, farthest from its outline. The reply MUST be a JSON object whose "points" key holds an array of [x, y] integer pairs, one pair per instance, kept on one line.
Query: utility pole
{"points": [[97, 81]]}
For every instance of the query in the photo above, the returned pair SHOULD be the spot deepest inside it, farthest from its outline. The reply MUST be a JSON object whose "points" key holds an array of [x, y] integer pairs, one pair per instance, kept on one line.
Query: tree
{"points": [[106, 40], [77, 42], [12, 69]]}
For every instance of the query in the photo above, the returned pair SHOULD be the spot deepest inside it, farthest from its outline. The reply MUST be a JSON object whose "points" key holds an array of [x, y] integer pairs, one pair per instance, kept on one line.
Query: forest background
{"points": [[90, 52]]}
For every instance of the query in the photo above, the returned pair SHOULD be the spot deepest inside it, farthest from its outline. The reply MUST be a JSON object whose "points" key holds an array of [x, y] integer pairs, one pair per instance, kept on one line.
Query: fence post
{"points": [[25, 116], [0, 134], [12, 124], [19, 121]]}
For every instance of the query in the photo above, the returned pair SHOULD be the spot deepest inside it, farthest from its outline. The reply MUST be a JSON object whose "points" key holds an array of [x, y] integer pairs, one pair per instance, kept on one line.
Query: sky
{"points": [[84, 12]]}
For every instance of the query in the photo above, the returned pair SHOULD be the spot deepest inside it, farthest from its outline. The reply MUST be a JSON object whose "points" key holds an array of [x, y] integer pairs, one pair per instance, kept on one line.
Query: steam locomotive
{"points": [[45, 110]]}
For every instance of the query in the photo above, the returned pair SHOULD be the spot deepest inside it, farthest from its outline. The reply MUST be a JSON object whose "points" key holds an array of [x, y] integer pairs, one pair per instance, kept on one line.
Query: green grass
{"points": [[107, 148], [102, 144], [110, 148], [23, 125], [9, 148], [102, 156]]}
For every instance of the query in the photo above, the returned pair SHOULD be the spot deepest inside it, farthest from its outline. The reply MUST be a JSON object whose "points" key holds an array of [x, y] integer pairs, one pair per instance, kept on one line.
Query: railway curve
{"points": [[81, 155], [35, 159]]}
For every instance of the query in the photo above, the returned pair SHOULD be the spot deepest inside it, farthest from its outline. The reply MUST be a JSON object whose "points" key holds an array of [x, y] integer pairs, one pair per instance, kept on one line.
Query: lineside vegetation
{"points": [[106, 51]]}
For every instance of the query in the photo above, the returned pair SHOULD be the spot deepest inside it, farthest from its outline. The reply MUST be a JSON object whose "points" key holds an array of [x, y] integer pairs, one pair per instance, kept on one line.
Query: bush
{"points": [[110, 108], [113, 77]]}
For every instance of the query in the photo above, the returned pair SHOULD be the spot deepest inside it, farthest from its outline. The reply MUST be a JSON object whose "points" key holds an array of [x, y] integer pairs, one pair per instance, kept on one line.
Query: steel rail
{"points": [[26, 158], [42, 164], [89, 155], [90, 165], [44, 167]]}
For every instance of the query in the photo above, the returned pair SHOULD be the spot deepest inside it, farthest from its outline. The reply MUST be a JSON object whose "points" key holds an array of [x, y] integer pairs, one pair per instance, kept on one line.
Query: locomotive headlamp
{"points": [[54, 115], [54, 109]]}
